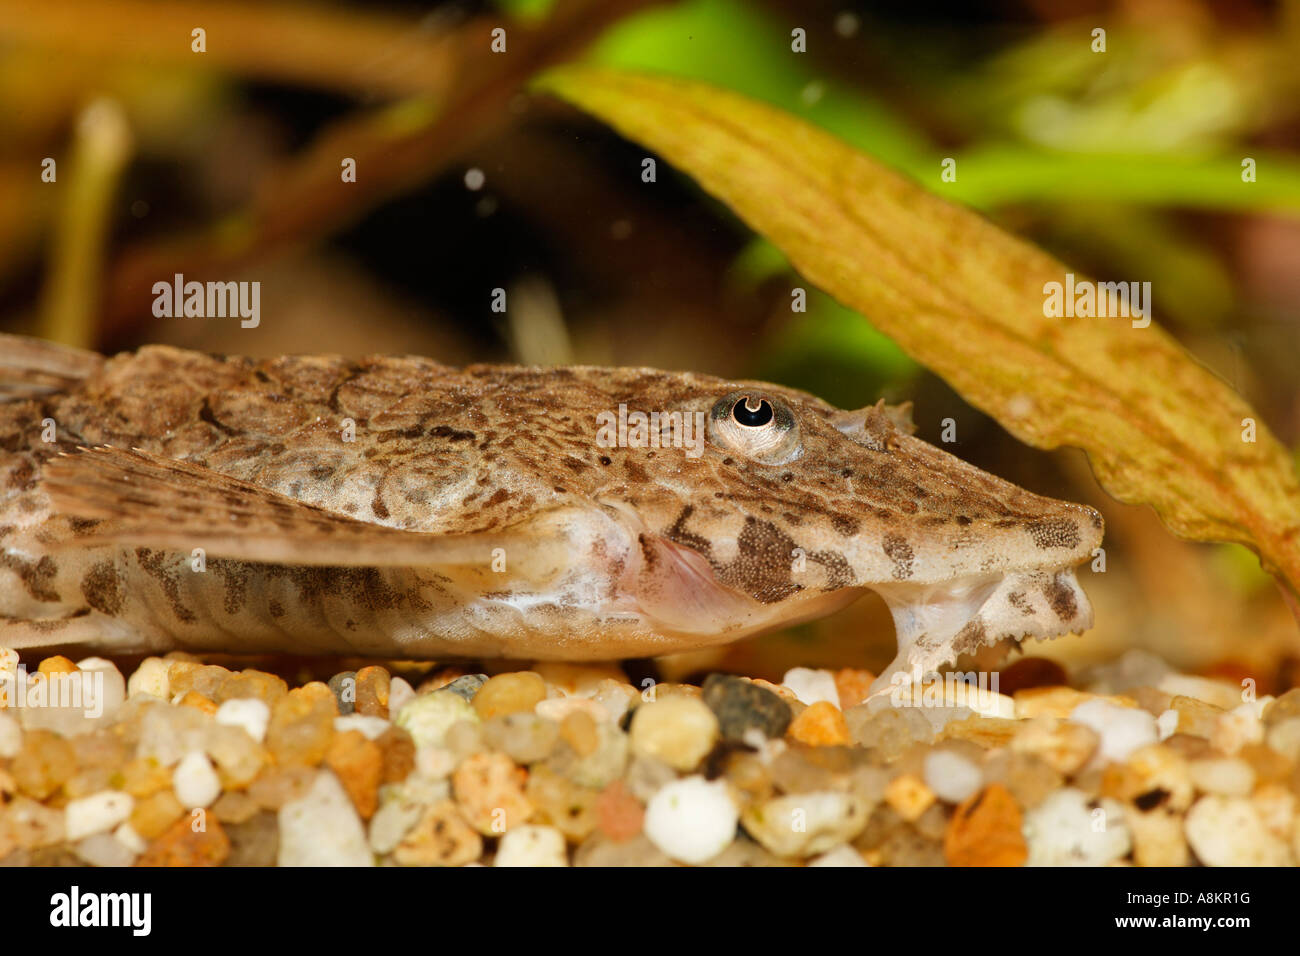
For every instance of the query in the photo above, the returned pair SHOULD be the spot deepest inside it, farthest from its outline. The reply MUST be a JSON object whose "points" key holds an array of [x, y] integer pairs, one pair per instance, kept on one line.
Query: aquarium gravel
{"points": [[186, 763]]}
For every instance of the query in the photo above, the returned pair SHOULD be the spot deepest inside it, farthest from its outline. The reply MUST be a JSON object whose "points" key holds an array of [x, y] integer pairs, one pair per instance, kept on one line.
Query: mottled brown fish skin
{"points": [[453, 451]]}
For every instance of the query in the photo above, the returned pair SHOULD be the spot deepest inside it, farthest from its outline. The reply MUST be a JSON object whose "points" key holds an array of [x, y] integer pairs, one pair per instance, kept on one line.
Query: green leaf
{"points": [[967, 300]]}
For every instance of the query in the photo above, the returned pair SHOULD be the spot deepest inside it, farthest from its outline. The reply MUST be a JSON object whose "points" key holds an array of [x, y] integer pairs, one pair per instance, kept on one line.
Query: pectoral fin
{"points": [[675, 589], [32, 367], [149, 501]]}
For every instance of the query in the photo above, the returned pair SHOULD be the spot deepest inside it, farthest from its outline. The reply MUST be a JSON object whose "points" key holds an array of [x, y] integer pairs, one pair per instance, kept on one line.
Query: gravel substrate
{"points": [[196, 764]]}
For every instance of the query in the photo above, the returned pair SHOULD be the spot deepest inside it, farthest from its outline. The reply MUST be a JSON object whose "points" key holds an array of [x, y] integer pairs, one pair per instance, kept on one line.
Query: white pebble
{"points": [[247, 712], [168, 733], [951, 776], [195, 782], [532, 845], [151, 677], [129, 838], [78, 701], [109, 686], [811, 685], [103, 849], [1226, 776], [558, 708], [322, 829], [96, 813], [1217, 692], [842, 855], [1238, 727], [399, 692], [1066, 830], [11, 737], [1122, 729], [372, 728], [1284, 737], [691, 820], [436, 763], [805, 824], [1167, 724], [1228, 831], [428, 717], [395, 817]]}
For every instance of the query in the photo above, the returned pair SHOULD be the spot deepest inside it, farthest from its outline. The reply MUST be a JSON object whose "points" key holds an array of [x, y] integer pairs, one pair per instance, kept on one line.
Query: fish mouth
{"points": [[937, 622]]}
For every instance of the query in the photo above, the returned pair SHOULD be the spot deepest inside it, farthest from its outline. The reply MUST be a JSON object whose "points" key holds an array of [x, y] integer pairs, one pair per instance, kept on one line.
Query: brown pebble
{"points": [[235, 806], [373, 684], [1031, 672], [986, 731], [509, 694], [318, 691], [155, 813], [399, 754], [255, 842], [619, 814], [747, 772], [441, 837], [182, 845], [1029, 779], [359, 764], [265, 687], [44, 764], [277, 786], [301, 727], [205, 679], [567, 806], [985, 830], [238, 758]]}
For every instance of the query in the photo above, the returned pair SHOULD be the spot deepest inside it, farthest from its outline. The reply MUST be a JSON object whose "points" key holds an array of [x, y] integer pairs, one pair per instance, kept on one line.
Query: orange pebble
{"points": [[618, 813], [852, 685], [56, 665], [579, 729], [821, 725], [196, 700], [985, 830], [315, 690], [182, 845]]}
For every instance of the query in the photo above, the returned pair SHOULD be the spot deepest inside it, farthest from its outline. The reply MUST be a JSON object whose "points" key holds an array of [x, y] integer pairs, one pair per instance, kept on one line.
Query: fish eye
{"points": [[757, 425], [752, 412]]}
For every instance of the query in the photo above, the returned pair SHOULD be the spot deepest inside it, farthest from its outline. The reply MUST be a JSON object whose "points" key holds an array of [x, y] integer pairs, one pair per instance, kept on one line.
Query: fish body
{"points": [[396, 507]]}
